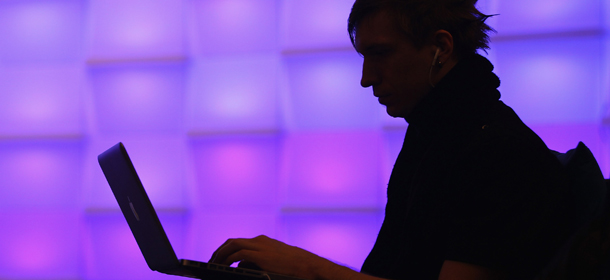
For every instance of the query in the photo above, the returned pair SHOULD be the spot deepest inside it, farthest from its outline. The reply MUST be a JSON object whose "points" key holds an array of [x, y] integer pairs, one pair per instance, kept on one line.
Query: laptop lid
{"points": [[148, 231], [137, 209]]}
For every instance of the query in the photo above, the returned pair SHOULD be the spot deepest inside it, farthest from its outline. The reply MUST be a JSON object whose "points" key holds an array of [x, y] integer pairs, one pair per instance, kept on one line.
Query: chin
{"points": [[393, 112]]}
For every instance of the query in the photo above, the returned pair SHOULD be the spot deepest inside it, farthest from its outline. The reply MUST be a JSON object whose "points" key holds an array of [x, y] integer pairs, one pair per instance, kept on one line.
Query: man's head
{"points": [[409, 45], [419, 19]]}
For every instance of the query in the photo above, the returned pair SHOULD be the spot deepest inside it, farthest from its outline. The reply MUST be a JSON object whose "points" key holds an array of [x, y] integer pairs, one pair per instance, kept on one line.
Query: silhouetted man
{"points": [[474, 193]]}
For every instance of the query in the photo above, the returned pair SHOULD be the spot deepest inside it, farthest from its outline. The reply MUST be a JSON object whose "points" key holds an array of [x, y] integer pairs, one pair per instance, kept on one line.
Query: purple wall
{"points": [[242, 111]]}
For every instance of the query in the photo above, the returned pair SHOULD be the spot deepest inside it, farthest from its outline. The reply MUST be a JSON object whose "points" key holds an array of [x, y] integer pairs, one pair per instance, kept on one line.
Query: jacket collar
{"points": [[461, 97]]}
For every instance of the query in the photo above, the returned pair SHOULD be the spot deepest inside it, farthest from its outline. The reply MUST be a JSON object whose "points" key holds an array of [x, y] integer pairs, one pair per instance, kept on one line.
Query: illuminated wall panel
{"points": [[346, 238], [543, 16], [318, 24], [41, 100], [236, 171], [139, 98], [40, 174], [230, 26], [325, 92], [160, 163], [39, 245], [38, 30], [111, 252], [212, 228], [552, 80], [136, 29], [334, 169], [234, 94]]}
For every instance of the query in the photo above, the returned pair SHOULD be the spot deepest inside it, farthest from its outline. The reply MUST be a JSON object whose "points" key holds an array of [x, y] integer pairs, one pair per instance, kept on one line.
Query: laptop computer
{"points": [[148, 231]]}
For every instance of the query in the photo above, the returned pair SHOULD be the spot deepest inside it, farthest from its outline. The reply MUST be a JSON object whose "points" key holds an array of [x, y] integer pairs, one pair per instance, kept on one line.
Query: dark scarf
{"points": [[466, 92]]}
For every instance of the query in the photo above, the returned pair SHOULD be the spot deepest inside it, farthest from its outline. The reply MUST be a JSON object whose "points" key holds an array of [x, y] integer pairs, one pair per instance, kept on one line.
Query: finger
{"points": [[241, 256], [230, 247], [221, 248], [249, 265]]}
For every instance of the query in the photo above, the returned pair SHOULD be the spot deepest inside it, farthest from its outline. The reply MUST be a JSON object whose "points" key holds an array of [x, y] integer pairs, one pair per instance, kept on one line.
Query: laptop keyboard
{"points": [[221, 267], [233, 269]]}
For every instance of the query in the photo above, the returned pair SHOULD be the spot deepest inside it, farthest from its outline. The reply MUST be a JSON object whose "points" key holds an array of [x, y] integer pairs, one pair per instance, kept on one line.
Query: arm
{"points": [[453, 270], [277, 257]]}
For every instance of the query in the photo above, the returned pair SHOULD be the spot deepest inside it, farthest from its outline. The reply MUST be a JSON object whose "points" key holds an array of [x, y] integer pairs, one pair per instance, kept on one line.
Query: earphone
{"points": [[438, 50]]}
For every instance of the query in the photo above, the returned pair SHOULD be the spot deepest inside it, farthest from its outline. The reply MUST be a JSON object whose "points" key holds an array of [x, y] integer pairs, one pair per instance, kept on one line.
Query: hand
{"points": [[270, 255]]}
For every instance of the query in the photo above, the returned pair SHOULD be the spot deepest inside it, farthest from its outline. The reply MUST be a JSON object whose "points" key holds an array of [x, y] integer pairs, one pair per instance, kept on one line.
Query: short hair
{"points": [[419, 19]]}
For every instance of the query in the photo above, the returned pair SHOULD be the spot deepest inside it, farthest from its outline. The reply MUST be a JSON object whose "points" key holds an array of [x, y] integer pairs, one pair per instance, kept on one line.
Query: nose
{"points": [[370, 76]]}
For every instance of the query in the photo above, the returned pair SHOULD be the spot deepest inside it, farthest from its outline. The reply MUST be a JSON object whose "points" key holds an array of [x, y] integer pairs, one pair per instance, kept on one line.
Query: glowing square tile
{"points": [[135, 29], [39, 100], [332, 169], [346, 238], [235, 26], [35, 30], [139, 98], [552, 80], [236, 171], [39, 174], [544, 16], [234, 94], [310, 24], [160, 163], [40, 245], [324, 92], [110, 244]]}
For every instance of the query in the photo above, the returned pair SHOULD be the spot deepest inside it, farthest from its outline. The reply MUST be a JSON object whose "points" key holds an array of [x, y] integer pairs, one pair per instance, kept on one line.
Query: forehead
{"points": [[377, 29]]}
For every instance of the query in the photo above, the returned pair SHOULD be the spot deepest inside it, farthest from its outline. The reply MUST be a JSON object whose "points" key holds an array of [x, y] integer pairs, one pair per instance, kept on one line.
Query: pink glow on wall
{"points": [[540, 16], [552, 80], [39, 245], [235, 26], [110, 244], [236, 170], [346, 238], [138, 29], [234, 94], [160, 163], [185, 83], [161, 167], [139, 98], [324, 92], [41, 100], [334, 169], [35, 30], [40, 174], [315, 24]]}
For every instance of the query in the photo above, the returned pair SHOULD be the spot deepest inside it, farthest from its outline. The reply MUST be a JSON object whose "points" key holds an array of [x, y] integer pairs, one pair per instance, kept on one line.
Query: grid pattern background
{"points": [[242, 117]]}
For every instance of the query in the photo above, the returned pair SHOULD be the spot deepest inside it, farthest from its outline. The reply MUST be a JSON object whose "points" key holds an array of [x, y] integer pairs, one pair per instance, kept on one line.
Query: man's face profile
{"points": [[393, 66]]}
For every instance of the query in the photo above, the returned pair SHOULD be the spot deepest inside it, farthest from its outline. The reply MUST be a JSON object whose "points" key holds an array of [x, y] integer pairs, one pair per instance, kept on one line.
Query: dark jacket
{"points": [[472, 183]]}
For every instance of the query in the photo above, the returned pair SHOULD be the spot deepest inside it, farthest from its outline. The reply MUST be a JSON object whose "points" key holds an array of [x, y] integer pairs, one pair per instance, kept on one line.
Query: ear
{"points": [[443, 41]]}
